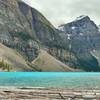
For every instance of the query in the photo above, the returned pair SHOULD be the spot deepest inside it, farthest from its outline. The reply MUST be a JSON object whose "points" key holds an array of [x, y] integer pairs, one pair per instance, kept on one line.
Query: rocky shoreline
{"points": [[48, 94]]}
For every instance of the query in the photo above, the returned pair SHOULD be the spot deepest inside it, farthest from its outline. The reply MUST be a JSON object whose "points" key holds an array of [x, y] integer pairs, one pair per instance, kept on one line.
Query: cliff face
{"points": [[16, 29]]}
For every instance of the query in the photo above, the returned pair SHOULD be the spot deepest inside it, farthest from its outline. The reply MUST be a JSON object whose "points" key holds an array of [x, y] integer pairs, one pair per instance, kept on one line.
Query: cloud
{"points": [[63, 11]]}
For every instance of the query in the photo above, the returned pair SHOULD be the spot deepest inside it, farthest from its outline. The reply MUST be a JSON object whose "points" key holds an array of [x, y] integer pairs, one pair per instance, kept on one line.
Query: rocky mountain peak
{"points": [[82, 24], [83, 31]]}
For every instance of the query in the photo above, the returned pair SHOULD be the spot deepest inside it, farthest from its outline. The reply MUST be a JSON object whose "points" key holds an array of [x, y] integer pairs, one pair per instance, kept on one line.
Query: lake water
{"points": [[53, 80]]}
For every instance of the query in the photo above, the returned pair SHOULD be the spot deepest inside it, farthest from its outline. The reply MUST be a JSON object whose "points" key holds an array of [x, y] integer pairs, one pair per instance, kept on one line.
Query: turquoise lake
{"points": [[50, 80]]}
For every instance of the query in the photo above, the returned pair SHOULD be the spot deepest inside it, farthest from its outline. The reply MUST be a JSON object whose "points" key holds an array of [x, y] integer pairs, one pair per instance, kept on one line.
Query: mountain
{"points": [[24, 30], [83, 36]]}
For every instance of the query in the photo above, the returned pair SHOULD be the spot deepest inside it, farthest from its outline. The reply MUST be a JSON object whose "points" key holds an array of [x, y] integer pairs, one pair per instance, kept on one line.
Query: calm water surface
{"points": [[54, 80]]}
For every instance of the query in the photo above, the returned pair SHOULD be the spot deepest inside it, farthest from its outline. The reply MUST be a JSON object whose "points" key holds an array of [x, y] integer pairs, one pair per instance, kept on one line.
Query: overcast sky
{"points": [[63, 11]]}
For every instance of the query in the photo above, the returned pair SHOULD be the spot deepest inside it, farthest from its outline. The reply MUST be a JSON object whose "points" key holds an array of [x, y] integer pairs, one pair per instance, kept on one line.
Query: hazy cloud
{"points": [[63, 11]]}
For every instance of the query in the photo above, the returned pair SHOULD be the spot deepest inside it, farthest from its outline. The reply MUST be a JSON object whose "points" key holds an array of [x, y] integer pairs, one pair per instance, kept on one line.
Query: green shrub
{"points": [[5, 66]]}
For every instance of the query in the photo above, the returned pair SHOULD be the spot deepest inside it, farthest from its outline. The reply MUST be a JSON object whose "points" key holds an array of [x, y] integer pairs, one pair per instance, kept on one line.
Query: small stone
{"points": [[89, 96]]}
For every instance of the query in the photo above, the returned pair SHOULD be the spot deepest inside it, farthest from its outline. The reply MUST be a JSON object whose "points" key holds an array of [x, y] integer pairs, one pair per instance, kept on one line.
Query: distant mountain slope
{"points": [[48, 63], [83, 36]]}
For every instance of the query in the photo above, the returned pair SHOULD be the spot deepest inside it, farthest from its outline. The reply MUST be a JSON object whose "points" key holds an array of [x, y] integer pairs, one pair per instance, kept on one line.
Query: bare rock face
{"points": [[16, 28]]}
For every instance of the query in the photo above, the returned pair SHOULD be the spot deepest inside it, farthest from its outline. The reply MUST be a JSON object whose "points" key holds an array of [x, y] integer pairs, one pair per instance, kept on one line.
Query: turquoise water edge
{"points": [[50, 80]]}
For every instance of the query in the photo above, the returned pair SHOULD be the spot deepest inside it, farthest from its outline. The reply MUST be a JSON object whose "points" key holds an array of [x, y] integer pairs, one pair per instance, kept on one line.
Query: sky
{"points": [[63, 11]]}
